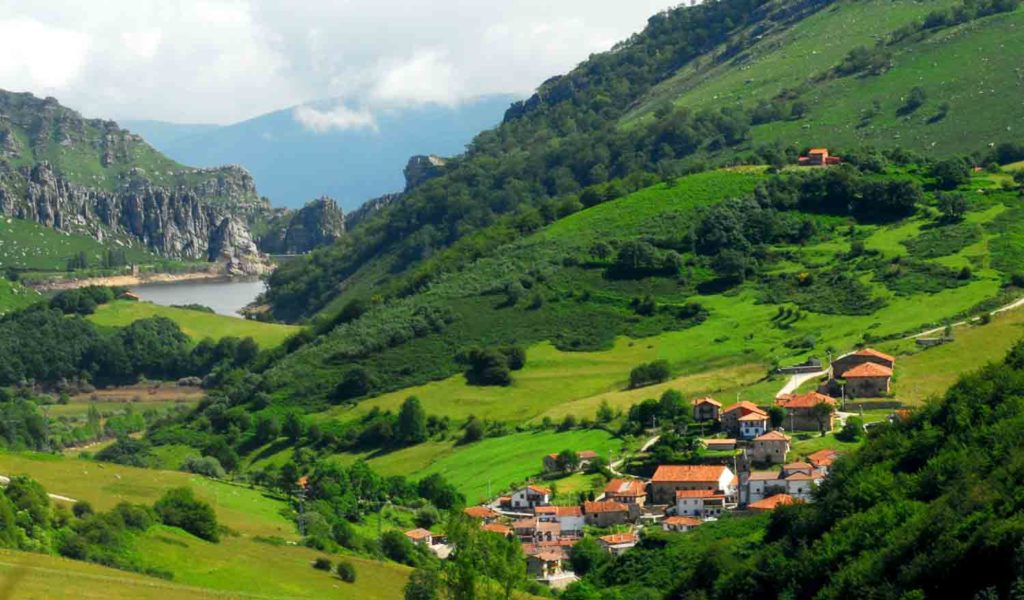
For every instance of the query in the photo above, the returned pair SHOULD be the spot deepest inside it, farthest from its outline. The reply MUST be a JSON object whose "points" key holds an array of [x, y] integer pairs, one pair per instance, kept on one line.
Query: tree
{"points": [[322, 563], [397, 547], [412, 422], [346, 571], [852, 431], [777, 415], [567, 461], [423, 584], [822, 412], [503, 561], [952, 205], [587, 555], [951, 173], [605, 412], [356, 382], [293, 427], [179, 507], [731, 265], [474, 431], [487, 366], [649, 373]]}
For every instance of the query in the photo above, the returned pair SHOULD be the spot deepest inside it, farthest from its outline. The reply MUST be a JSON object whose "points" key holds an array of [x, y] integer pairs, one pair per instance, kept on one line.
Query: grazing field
{"points": [[139, 397], [493, 463], [240, 565], [14, 296], [27, 245], [195, 324]]}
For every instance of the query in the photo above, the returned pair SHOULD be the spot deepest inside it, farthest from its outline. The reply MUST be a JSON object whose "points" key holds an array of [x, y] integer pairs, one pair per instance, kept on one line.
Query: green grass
{"points": [[26, 245], [492, 464], [14, 296], [238, 565], [195, 324], [805, 444]]}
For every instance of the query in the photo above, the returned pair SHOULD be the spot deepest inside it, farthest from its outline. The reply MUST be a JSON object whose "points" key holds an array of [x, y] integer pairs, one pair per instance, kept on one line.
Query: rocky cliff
{"points": [[89, 176], [318, 223]]}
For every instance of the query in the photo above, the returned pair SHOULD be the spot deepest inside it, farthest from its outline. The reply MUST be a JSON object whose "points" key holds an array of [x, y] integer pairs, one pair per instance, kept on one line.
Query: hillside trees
{"points": [[179, 507], [412, 422]]}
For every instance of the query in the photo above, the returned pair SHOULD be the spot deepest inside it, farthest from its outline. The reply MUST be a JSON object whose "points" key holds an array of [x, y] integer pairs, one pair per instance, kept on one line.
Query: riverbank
{"points": [[58, 285]]}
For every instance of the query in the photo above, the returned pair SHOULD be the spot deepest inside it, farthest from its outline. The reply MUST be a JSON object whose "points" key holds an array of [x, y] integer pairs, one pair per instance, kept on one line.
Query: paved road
{"points": [[798, 380], [4, 480], [614, 467], [1015, 304]]}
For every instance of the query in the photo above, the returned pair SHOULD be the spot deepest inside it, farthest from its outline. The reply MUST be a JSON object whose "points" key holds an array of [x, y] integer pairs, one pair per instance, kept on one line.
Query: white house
{"points": [[680, 523], [531, 496], [570, 518], [700, 503], [753, 425], [762, 484], [617, 543], [800, 485]]}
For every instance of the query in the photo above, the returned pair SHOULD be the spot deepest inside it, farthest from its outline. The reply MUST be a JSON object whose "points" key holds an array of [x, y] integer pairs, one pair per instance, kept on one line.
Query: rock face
{"points": [[318, 223], [421, 169], [370, 208], [88, 176]]}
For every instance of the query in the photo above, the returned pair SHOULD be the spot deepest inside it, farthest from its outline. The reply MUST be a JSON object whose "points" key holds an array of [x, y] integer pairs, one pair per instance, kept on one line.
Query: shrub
{"points": [[207, 466], [322, 564], [82, 509], [346, 571], [649, 374], [180, 508]]}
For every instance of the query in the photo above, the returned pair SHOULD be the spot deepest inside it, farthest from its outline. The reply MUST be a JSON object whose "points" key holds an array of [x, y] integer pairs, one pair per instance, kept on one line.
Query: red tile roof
{"points": [[823, 458], [497, 528], [688, 473], [876, 354], [682, 521], [481, 512], [765, 476], [418, 534], [772, 436], [799, 477], [868, 370], [618, 538], [771, 502], [808, 400], [719, 441], [818, 151], [754, 417], [570, 511], [604, 506], [796, 466], [707, 400], [625, 487], [746, 407], [696, 494], [538, 489]]}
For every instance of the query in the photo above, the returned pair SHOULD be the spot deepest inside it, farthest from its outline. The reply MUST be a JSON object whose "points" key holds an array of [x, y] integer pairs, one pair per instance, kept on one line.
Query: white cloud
{"points": [[34, 55], [339, 118], [227, 60]]}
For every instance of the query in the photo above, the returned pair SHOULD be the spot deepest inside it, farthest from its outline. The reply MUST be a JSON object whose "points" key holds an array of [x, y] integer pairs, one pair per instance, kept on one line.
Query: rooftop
{"points": [[808, 400], [765, 476], [604, 506], [772, 436], [682, 521], [771, 502], [707, 400], [418, 534], [625, 487], [481, 512], [618, 538], [688, 473], [868, 370], [746, 407], [876, 354]]}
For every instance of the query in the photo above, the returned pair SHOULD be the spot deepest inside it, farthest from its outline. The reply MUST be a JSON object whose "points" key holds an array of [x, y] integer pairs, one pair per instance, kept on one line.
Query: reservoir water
{"points": [[224, 296]]}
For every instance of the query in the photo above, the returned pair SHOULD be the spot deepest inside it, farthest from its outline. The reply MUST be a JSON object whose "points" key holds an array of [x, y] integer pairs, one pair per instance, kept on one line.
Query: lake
{"points": [[224, 296]]}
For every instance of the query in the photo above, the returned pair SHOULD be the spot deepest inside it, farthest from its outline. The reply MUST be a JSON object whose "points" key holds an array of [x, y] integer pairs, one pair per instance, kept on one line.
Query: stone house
{"points": [[606, 513], [546, 563], [770, 447], [668, 479], [801, 411], [706, 409], [626, 491], [868, 380], [732, 415], [867, 355]]}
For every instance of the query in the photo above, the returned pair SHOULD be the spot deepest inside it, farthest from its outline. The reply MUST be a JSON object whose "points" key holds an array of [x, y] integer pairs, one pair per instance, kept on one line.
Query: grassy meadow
{"points": [[239, 566], [195, 324]]}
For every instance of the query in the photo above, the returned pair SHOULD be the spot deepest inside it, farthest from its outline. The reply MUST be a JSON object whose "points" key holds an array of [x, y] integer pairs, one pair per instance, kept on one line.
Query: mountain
{"points": [[160, 134], [293, 161], [89, 176]]}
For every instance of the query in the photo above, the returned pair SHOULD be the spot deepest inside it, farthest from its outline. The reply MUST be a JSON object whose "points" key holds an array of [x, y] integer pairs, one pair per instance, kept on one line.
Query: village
{"points": [[749, 469]]}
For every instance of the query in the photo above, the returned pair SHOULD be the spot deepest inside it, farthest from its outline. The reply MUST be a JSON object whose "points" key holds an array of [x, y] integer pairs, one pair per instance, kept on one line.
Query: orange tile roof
{"points": [[525, 524], [618, 538], [688, 473], [765, 476], [868, 370], [480, 512], [685, 521], [625, 487], [696, 494], [418, 534], [549, 555], [818, 151], [876, 354], [771, 502], [796, 466], [497, 528], [604, 506], [799, 477], [754, 417], [808, 400], [823, 458], [772, 436], [747, 407], [538, 489], [707, 400], [569, 511], [718, 441]]}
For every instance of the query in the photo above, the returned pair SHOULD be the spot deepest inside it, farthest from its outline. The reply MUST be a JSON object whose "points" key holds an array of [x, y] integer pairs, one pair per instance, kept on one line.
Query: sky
{"points": [[213, 61]]}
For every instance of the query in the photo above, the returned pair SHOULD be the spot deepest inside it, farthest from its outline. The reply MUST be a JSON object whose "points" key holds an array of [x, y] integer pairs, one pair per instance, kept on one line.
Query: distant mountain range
{"points": [[300, 153]]}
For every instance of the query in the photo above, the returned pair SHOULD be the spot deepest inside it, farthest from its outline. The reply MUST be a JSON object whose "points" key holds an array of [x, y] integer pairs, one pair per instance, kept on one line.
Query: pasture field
{"points": [[239, 566], [195, 324]]}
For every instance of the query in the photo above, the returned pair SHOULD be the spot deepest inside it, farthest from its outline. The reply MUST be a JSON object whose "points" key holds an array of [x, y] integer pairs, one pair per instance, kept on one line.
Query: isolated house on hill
{"points": [[818, 157], [867, 355], [868, 380]]}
